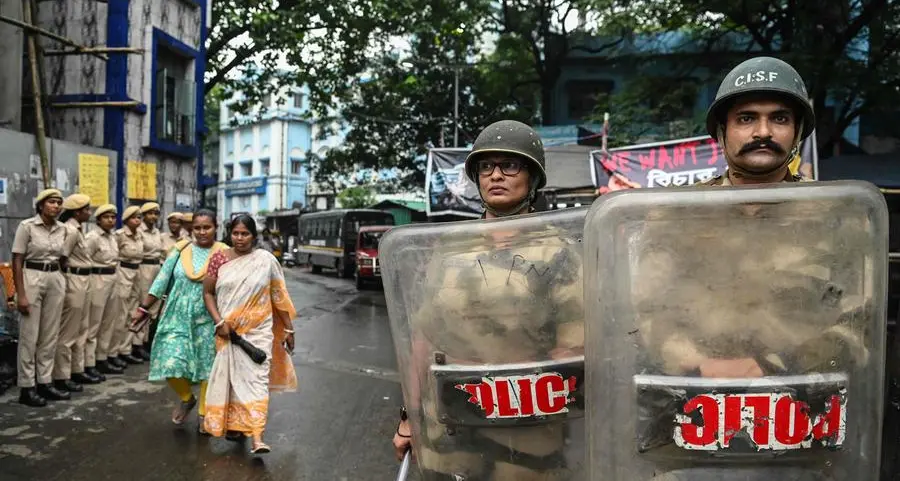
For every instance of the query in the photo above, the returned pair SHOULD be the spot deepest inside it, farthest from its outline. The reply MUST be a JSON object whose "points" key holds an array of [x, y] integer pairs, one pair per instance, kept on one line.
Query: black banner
{"points": [[672, 163], [448, 189]]}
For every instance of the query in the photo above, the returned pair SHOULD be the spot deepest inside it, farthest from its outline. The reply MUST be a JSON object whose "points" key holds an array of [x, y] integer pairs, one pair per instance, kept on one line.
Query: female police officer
{"points": [[495, 314], [68, 368], [40, 286]]}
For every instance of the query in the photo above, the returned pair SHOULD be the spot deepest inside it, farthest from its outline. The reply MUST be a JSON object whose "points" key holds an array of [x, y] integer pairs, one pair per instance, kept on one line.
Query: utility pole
{"points": [[456, 106]]}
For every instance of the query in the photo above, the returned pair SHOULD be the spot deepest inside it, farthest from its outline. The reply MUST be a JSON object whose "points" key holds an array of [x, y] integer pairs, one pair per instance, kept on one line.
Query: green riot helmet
{"points": [[758, 75], [511, 137]]}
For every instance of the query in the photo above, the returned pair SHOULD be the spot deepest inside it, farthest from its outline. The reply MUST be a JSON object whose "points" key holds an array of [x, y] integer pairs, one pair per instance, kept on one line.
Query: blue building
{"points": [[138, 97], [262, 159]]}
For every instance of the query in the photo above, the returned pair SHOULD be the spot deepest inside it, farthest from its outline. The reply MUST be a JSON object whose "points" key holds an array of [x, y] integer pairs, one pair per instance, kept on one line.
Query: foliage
{"points": [[358, 197], [847, 51], [383, 70]]}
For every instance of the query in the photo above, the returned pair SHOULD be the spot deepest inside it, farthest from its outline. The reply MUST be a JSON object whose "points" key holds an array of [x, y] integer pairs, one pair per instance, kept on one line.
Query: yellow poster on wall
{"points": [[141, 180], [93, 178]]}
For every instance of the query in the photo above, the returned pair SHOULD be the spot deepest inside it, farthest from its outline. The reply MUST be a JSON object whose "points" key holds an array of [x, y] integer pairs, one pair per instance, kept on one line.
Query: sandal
{"points": [[181, 412], [235, 436], [201, 428], [261, 448]]}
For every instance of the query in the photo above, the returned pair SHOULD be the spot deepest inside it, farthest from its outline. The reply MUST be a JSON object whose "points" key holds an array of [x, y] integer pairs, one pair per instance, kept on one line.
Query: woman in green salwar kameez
{"points": [[184, 347]]}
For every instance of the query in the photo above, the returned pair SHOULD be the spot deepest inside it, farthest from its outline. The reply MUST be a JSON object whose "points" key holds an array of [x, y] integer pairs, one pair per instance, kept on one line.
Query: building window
{"points": [[264, 167], [298, 100], [587, 97], [296, 167], [246, 169], [266, 100], [229, 171], [174, 105]]}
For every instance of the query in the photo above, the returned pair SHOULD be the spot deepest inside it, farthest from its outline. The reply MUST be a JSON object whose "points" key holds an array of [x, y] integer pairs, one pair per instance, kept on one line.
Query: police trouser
{"points": [[75, 320], [146, 275], [532, 453], [39, 330], [99, 334], [125, 301]]}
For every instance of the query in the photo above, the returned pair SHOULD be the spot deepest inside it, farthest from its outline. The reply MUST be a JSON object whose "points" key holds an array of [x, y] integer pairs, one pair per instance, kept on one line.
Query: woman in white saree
{"points": [[245, 292]]}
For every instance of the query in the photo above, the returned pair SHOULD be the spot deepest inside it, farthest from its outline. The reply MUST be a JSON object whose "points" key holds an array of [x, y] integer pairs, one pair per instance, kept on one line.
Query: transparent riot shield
{"points": [[487, 320], [736, 333]]}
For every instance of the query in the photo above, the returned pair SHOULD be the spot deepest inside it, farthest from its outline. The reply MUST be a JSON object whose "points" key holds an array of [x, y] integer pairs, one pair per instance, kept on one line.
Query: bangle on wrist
{"points": [[143, 309], [289, 331], [402, 435], [218, 324]]}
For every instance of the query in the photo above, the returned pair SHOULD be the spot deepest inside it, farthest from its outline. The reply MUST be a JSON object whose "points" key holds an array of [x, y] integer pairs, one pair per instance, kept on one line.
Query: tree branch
{"points": [[239, 58], [862, 20], [600, 49], [221, 40]]}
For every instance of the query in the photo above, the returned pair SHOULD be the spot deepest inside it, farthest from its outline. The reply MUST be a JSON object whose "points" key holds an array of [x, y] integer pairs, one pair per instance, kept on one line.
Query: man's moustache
{"points": [[762, 144]]}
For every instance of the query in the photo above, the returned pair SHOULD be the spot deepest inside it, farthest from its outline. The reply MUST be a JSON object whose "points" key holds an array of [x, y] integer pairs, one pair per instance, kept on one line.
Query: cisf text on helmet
{"points": [[760, 76]]}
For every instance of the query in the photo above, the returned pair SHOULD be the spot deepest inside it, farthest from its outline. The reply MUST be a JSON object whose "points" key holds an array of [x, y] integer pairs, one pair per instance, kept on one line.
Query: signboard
{"points": [[447, 188], [93, 178], [243, 187], [34, 166], [141, 180], [673, 163], [182, 202], [4, 187], [284, 213]]}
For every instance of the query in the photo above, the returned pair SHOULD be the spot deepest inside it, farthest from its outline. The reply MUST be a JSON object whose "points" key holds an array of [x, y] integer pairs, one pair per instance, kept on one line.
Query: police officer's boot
{"points": [[140, 352], [50, 393], [84, 378], [107, 367], [129, 359], [29, 397], [118, 362], [94, 373], [67, 385]]}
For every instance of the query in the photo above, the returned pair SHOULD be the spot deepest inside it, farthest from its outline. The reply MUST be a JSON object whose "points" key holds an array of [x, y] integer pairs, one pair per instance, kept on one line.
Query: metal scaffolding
{"points": [[35, 57]]}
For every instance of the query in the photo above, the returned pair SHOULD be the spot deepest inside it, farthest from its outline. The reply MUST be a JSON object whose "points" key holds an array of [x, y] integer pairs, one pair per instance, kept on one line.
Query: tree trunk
{"points": [[547, 100]]}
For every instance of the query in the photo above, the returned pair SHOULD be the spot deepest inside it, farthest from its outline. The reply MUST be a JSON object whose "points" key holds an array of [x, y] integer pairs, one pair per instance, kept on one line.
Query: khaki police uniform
{"points": [[41, 246], [154, 253], [187, 219], [169, 240], [723, 180], [492, 307], [76, 312], [779, 300], [104, 249], [126, 290]]}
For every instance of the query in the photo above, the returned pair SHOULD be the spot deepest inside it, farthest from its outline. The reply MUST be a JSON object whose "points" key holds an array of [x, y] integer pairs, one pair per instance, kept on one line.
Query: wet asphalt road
{"points": [[337, 426]]}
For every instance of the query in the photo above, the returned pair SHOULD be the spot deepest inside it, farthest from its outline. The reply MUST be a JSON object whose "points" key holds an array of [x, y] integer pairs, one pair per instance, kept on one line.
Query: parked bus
{"points": [[328, 239]]}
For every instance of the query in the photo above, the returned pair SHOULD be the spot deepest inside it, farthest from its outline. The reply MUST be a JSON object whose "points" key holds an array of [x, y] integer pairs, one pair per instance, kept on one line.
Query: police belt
{"points": [[78, 271], [42, 266], [129, 265], [150, 262], [103, 270]]}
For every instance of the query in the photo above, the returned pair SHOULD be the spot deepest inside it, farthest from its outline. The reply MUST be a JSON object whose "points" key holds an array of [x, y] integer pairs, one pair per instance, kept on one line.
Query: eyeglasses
{"points": [[507, 167]]}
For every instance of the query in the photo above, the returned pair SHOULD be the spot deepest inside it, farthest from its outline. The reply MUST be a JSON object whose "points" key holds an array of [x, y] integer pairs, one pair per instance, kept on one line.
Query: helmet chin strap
{"points": [[746, 174]]}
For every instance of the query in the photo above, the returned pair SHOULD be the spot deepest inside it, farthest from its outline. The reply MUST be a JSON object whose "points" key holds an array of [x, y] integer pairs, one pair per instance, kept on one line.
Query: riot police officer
{"points": [[760, 116], [498, 303]]}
